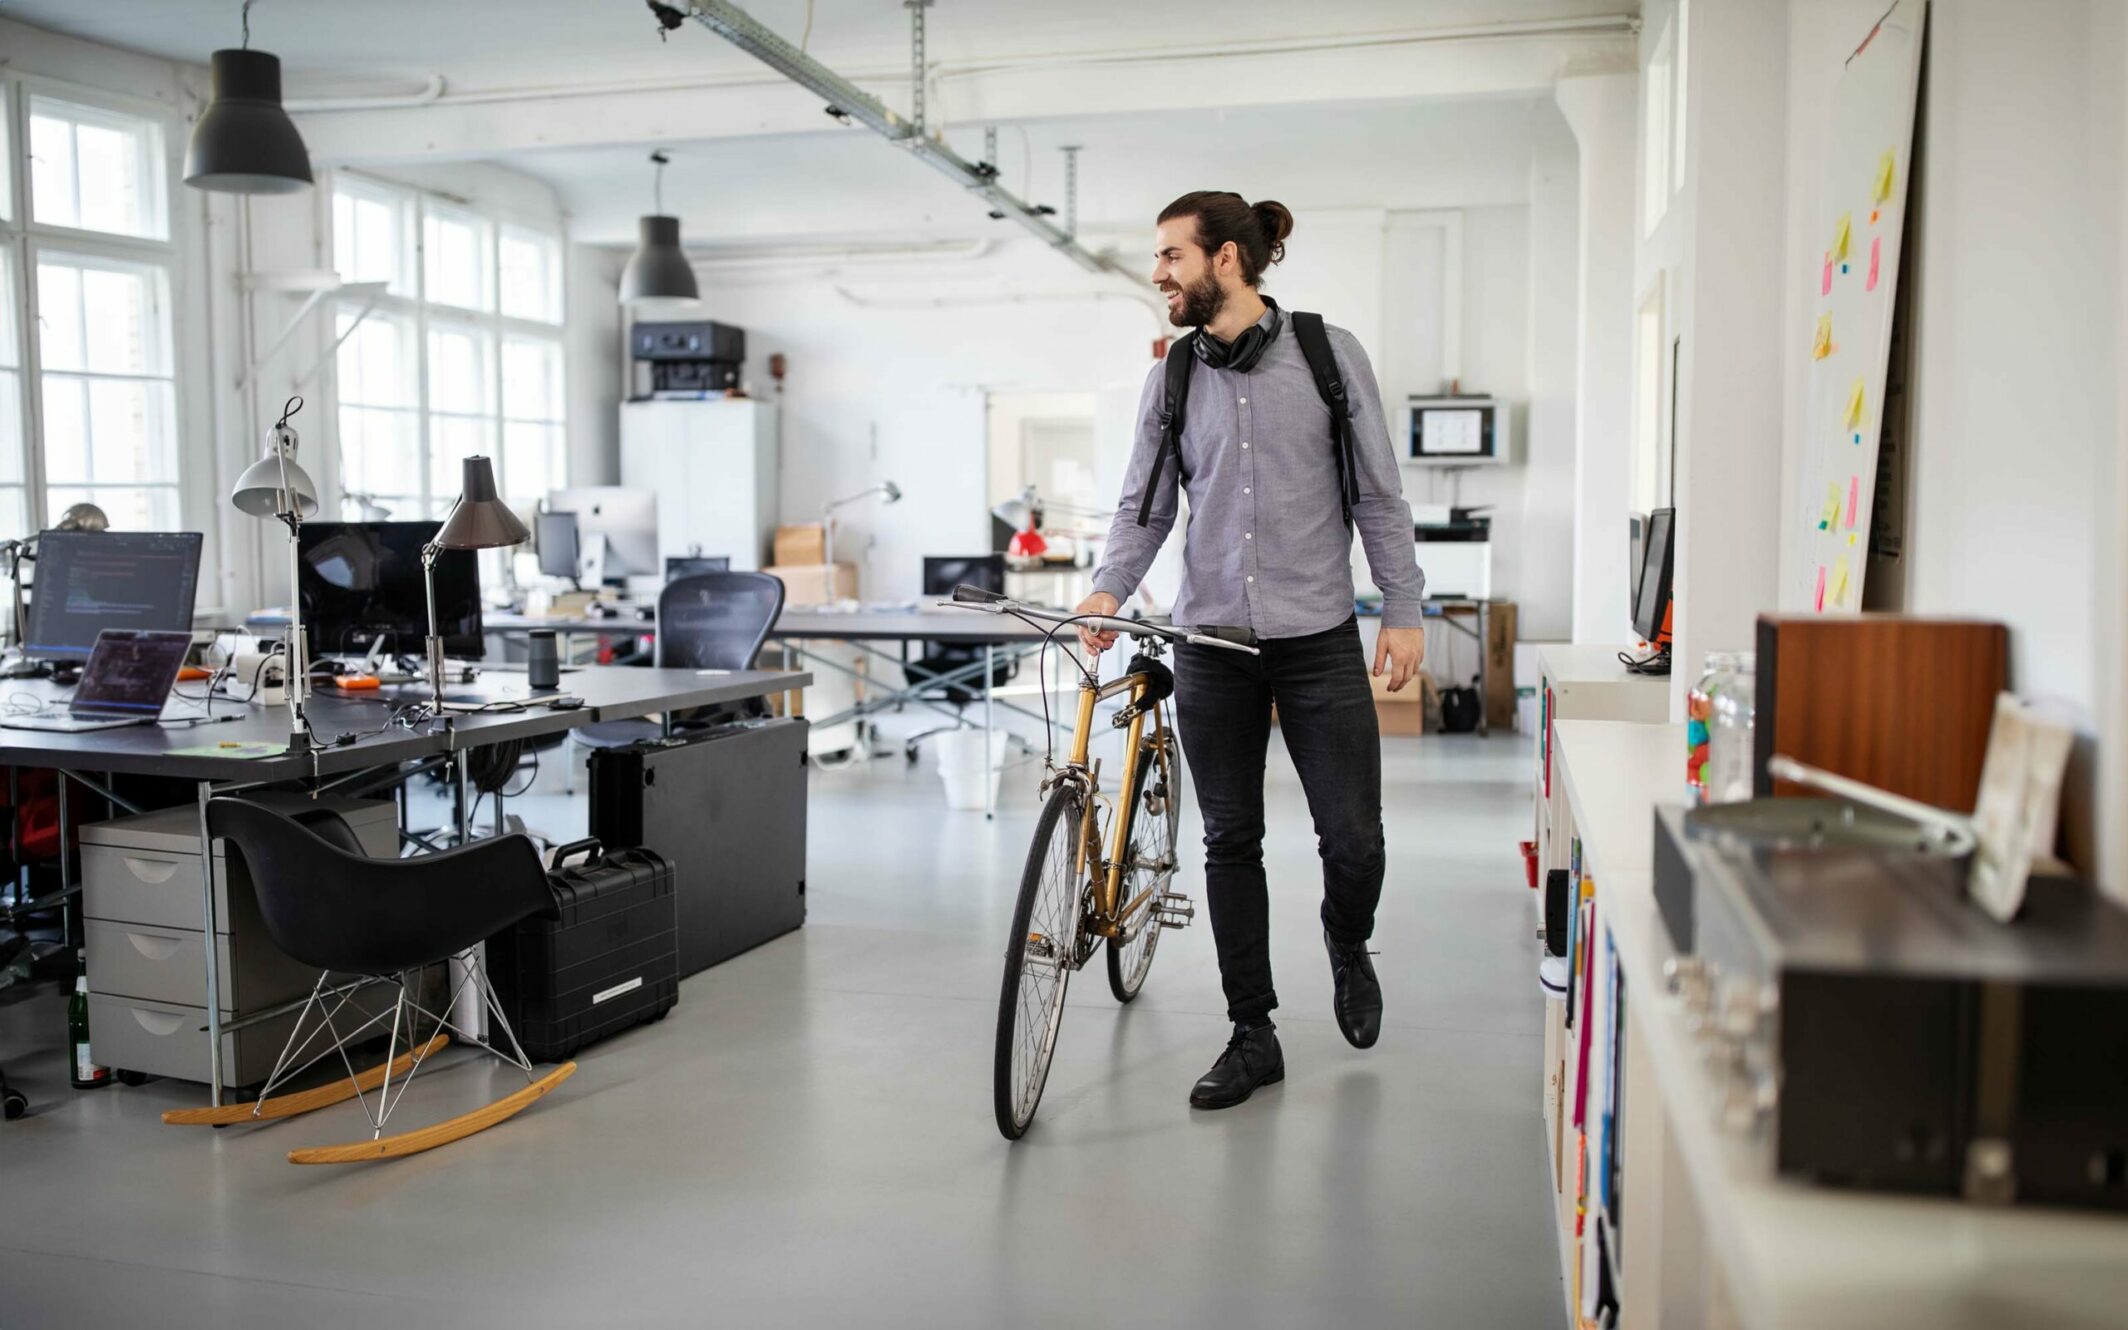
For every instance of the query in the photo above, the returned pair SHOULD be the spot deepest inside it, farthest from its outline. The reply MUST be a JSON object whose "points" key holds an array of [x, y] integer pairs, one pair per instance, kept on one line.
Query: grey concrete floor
{"points": [[808, 1139]]}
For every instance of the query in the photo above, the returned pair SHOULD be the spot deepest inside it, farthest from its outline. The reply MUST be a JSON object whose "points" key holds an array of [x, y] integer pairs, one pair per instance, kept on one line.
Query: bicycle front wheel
{"points": [[1040, 954]]}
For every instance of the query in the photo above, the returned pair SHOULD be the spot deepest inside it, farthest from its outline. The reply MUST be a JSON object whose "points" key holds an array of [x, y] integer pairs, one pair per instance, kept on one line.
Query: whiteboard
{"points": [[1861, 221]]}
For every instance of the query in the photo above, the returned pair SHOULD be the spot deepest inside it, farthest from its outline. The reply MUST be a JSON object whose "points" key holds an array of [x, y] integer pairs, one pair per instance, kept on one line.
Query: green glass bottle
{"points": [[87, 1075]]}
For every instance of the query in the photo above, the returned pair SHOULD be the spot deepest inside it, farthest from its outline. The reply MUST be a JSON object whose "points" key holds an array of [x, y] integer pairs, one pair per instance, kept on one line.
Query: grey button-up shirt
{"points": [[1266, 546]]}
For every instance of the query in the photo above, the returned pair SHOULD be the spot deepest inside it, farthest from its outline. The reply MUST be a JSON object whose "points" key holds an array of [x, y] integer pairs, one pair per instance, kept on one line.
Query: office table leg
{"points": [[213, 927], [989, 733], [1485, 638], [466, 1013]]}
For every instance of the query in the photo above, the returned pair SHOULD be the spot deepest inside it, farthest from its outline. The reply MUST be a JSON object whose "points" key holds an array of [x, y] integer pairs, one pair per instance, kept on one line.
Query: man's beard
{"points": [[1200, 304]]}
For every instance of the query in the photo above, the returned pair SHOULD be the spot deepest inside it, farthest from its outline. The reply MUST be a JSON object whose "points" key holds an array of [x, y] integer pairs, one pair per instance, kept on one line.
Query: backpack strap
{"points": [[1322, 362], [1181, 358]]}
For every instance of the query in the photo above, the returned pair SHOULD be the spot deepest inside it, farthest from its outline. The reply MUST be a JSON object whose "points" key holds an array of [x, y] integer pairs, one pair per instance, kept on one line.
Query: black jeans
{"points": [[1223, 707]]}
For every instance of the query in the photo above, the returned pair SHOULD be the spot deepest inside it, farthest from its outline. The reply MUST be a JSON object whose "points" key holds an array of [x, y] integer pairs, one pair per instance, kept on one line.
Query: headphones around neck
{"points": [[1241, 354]]}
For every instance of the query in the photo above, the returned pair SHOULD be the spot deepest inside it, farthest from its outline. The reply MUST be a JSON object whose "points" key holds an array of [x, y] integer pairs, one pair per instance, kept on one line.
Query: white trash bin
{"points": [[960, 763]]}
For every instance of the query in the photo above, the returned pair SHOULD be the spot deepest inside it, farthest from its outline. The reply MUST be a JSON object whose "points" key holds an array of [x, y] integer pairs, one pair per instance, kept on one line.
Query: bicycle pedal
{"points": [[1173, 910]]}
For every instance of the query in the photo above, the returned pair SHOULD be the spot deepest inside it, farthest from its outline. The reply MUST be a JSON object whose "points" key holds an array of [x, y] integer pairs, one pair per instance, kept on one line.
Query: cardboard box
{"points": [[806, 585], [800, 545], [1500, 665], [1399, 713]]}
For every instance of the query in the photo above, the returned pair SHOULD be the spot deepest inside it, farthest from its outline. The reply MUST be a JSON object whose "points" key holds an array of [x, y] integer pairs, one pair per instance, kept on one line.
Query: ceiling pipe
{"points": [[1156, 310], [846, 101], [435, 91]]}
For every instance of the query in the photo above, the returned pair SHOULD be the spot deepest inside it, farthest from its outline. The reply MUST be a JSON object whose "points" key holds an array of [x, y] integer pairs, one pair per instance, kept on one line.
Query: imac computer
{"points": [[87, 581], [560, 550], [616, 529], [361, 588]]}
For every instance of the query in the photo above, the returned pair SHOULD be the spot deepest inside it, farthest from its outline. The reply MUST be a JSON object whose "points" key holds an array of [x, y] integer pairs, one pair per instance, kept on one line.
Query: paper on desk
{"points": [[231, 749]]}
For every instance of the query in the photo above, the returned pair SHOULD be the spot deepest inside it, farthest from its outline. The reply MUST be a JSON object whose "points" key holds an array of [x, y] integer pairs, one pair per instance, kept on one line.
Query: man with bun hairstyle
{"points": [[1278, 482]]}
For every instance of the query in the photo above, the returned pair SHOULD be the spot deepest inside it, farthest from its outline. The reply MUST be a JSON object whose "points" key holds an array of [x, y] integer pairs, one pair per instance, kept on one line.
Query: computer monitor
{"points": [[1651, 595], [361, 581], [687, 565], [88, 581], [1636, 537], [943, 572], [625, 521], [559, 549]]}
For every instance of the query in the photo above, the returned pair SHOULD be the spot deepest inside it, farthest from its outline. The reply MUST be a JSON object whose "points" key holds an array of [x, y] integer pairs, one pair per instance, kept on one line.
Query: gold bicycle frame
{"points": [[1109, 919]]}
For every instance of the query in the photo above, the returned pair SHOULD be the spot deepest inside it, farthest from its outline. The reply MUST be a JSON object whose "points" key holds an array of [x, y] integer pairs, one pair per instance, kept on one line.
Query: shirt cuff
{"points": [[1399, 613], [1115, 584]]}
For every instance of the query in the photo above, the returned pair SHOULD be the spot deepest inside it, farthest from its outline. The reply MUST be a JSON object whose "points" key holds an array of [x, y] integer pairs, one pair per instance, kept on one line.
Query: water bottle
{"points": [[87, 1075]]}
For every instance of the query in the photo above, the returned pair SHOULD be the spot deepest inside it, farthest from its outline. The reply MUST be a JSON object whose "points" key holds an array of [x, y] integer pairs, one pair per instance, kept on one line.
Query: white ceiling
{"points": [[333, 46], [851, 186]]}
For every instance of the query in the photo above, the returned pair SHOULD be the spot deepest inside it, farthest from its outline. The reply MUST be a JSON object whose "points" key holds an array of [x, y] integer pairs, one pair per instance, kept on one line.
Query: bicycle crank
{"points": [[1173, 910]]}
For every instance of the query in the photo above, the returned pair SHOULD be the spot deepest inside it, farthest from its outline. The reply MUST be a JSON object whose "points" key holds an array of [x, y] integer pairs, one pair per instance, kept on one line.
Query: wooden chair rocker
{"points": [[327, 904]]}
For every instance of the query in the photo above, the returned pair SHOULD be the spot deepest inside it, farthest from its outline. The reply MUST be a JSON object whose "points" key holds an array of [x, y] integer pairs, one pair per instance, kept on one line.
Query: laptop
{"points": [[126, 682]]}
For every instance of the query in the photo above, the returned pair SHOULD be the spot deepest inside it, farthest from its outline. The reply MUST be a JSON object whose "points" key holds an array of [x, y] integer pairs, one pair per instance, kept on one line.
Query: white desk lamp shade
{"points": [[260, 492]]}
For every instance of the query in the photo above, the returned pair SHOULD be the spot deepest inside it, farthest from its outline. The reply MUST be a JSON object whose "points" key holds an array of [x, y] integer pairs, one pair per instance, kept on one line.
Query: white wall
{"points": [[2018, 304]]}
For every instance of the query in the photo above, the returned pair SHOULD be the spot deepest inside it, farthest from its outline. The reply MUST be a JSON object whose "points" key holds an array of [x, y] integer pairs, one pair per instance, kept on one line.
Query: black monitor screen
{"points": [[362, 580], [943, 572], [1651, 599], [557, 544], [87, 581]]}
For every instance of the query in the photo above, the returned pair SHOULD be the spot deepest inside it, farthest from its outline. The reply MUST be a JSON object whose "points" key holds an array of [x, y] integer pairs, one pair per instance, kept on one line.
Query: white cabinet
{"points": [[713, 467]]}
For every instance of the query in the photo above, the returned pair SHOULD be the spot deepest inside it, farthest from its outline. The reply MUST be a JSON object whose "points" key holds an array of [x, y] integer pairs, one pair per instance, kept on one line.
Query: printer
{"points": [[1455, 548]]}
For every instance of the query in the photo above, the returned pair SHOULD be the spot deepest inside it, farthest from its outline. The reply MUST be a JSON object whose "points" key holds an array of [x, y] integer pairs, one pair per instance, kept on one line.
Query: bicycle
{"points": [[1082, 887]]}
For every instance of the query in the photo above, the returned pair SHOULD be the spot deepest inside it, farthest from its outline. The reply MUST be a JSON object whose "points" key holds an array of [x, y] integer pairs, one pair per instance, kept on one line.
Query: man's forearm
{"points": [[1384, 523]]}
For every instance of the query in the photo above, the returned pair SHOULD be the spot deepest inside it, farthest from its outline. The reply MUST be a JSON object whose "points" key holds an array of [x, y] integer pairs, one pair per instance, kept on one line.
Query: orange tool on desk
{"points": [[190, 673]]}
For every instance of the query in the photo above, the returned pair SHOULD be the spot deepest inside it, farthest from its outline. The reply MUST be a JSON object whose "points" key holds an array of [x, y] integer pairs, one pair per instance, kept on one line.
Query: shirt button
{"points": [[1244, 443], [1245, 489], [1252, 577], [1248, 535], [1244, 401]]}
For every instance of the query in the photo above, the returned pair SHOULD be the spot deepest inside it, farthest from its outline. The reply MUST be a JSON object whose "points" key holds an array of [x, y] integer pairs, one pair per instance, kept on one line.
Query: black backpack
{"points": [[1322, 362]]}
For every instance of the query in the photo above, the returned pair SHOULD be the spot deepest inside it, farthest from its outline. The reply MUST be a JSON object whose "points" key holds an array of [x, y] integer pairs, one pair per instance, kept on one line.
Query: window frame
{"points": [[23, 240], [422, 315]]}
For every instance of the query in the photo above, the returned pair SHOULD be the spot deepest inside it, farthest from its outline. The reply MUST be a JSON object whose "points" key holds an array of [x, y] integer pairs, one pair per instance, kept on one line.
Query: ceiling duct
{"points": [[847, 102]]}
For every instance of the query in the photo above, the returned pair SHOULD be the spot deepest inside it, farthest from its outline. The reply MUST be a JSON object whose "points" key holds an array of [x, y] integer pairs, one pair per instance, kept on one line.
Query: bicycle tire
{"points": [[1127, 968], [1020, 1067]]}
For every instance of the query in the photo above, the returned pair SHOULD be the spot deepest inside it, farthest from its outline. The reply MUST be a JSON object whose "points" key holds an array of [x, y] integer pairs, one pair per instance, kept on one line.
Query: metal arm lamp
{"points": [[888, 491], [274, 486], [478, 521]]}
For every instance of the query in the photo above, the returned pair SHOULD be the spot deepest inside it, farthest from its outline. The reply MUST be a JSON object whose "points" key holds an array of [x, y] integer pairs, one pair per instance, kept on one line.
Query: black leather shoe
{"points": [[1359, 994], [1252, 1059]]}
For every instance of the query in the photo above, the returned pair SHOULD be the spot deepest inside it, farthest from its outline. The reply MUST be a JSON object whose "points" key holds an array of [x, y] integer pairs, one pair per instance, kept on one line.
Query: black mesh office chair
{"points": [[329, 905], [706, 621], [951, 673]]}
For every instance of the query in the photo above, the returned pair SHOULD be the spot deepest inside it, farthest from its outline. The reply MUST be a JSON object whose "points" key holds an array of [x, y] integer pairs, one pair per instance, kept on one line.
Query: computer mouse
{"points": [[566, 702]]}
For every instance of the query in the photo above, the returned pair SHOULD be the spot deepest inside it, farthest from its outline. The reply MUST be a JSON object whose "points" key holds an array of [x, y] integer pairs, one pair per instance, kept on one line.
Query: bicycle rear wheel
{"points": [[1040, 954], [1156, 814]]}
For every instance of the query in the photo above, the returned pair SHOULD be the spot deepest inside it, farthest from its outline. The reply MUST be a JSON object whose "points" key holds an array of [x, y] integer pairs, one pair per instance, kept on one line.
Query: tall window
{"points": [[88, 377], [461, 356]]}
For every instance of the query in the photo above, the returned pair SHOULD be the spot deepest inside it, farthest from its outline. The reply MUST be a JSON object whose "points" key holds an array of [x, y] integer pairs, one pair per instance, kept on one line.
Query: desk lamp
{"points": [[1026, 512], [478, 521], [274, 486], [888, 492]]}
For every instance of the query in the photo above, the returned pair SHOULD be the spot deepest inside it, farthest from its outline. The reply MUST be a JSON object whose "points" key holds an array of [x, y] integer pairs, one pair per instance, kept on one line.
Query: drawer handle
{"points": [[154, 871], [158, 1023], [153, 947]]}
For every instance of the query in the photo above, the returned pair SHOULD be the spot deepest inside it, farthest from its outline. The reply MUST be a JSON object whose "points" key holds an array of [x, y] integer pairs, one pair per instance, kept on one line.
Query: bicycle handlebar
{"points": [[991, 602]]}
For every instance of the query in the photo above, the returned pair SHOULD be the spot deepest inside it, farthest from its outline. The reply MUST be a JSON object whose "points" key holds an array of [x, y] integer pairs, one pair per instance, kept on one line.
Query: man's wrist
{"points": [[1397, 614], [1110, 583]]}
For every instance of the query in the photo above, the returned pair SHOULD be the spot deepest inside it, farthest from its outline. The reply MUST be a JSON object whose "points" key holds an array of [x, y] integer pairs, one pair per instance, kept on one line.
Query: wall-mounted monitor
{"points": [[1458, 431]]}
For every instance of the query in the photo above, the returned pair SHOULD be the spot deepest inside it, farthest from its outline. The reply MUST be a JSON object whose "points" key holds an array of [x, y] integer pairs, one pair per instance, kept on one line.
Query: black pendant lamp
{"points": [[658, 272], [244, 142]]}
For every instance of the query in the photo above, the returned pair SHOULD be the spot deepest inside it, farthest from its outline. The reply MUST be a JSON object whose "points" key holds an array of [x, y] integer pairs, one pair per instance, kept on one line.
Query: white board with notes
{"points": [[1861, 216]]}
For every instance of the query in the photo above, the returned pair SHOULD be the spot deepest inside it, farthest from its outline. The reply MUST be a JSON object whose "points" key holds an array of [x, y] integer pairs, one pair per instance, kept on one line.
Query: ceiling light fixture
{"points": [[658, 278], [244, 142]]}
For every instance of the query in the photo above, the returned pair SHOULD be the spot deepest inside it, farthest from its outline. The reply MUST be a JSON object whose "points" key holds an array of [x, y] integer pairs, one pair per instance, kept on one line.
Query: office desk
{"points": [[609, 694]]}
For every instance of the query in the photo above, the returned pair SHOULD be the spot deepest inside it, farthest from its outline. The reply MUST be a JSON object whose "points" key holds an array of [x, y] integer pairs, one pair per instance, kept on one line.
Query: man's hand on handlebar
{"points": [[1097, 640]]}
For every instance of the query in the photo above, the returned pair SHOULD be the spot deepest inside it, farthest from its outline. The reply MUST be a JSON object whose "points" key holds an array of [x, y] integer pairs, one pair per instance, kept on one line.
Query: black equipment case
{"points": [[610, 961], [726, 807]]}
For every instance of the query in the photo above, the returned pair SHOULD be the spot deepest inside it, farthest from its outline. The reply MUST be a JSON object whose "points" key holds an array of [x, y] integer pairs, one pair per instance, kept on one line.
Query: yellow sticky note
{"points": [[1886, 173], [1854, 406], [1850, 538], [1841, 235], [1821, 345], [1839, 581], [1829, 515]]}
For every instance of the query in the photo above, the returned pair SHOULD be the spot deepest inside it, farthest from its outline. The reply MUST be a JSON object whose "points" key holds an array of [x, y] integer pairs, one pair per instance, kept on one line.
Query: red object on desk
{"points": [[1027, 544]]}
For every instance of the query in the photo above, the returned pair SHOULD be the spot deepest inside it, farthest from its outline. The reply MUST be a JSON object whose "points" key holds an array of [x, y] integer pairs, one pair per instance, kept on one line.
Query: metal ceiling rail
{"points": [[848, 101]]}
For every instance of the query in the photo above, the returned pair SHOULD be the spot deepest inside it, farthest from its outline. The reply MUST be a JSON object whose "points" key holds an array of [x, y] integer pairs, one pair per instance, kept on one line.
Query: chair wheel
{"points": [[13, 1105], [134, 1078]]}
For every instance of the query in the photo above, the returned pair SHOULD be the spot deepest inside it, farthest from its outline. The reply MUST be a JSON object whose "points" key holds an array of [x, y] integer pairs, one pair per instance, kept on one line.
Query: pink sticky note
{"points": [[1825, 287], [1876, 251], [1854, 497], [1821, 588]]}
